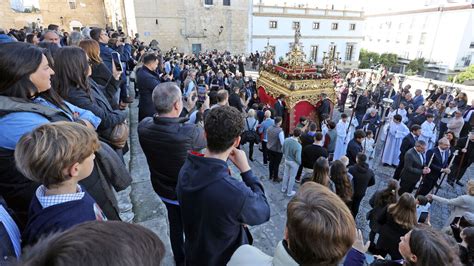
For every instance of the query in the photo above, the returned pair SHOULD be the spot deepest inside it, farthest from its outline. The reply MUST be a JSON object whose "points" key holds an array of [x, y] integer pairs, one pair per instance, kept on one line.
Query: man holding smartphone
{"points": [[123, 49]]}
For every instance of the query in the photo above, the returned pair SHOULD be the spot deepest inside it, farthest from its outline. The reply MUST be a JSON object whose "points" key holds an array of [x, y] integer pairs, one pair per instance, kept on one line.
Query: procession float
{"points": [[300, 82]]}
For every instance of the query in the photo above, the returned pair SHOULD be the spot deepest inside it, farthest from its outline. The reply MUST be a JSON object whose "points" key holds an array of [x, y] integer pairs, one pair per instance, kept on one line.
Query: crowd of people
{"points": [[64, 132]]}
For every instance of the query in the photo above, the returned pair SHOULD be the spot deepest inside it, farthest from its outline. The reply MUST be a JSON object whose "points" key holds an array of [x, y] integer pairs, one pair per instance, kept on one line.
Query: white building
{"points": [[442, 34], [321, 30], [17, 5]]}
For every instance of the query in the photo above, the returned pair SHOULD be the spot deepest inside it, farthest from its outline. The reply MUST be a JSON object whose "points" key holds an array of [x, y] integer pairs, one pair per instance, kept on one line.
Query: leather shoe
{"points": [[459, 183]]}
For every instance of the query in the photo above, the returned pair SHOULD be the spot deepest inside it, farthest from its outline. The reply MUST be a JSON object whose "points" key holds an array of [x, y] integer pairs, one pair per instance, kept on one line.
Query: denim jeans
{"points": [[291, 168]]}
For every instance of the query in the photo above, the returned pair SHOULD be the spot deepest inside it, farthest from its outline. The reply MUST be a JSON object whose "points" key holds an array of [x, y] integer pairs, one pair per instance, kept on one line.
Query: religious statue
{"points": [[296, 56]]}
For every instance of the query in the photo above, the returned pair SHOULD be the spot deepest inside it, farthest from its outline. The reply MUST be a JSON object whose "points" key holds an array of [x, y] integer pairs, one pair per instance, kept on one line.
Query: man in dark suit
{"points": [[147, 80], [414, 167], [438, 166], [234, 99], [355, 146], [461, 163], [408, 142], [279, 106], [361, 108], [323, 108]]}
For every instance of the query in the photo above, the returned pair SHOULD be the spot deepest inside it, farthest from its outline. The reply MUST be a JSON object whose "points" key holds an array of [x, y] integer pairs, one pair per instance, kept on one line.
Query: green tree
{"points": [[388, 59], [467, 74], [416, 65], [365, 57]]}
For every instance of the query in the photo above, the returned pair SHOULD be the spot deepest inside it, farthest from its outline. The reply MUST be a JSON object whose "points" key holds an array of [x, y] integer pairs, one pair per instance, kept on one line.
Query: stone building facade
{"points": [[195, 25], [68, 14]]}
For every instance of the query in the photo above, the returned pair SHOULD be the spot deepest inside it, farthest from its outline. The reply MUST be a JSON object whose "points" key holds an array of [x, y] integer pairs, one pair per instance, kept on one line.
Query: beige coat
{"points": [[251, 256], [461, 204]]}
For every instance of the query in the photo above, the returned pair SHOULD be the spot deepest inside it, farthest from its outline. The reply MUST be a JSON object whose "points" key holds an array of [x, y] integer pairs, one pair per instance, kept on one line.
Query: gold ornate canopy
{"points": [[296, 90], [295, 78]]}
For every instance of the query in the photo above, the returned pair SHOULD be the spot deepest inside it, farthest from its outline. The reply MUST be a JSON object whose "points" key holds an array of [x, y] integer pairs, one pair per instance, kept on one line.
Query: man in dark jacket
{"points": [[439, 157], [465, 146], [147, 80], [408, 142], [279, 106], [166, 141], [324, 107], [312, 152], [215, 206], [361, 108], [306, 139], [413, 168], [418, 117], [125, 51], [355, 146], [234, 100], [363, 177]]}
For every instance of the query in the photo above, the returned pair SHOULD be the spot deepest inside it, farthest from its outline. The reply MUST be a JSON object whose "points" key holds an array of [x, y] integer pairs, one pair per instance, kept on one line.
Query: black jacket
{"points": [[408, 142], [353, 148], [324, 108], [102, 76], [363, 177], [390, 233], [412, 171], [362, 105], [98, 104], [279, 109], [416, 119], [166, 143], [147, 80], [311, 153], [469, 156], [234, 101], [216, 207], [437, 164], [306, 140]]}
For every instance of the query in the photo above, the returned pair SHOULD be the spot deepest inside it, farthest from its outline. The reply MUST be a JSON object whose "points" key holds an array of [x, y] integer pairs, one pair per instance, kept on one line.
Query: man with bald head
{"points": [[438, 166], [52, 37]]}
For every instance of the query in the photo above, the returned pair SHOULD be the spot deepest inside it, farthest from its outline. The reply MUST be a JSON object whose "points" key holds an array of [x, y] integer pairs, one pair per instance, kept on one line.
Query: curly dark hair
{"points": [[223, 125]]}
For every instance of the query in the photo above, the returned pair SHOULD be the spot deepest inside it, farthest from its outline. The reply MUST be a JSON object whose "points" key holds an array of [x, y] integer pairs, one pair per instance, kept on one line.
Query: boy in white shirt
{"points": [[368, 144]]}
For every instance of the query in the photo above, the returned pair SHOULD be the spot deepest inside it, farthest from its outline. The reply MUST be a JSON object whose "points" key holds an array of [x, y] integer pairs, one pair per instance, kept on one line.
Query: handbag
{"points": [[250, 135], [119, 135]]}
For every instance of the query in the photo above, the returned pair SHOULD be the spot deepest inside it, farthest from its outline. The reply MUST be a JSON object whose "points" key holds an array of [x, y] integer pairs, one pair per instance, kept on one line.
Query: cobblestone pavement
{"points": [[151, 212]]}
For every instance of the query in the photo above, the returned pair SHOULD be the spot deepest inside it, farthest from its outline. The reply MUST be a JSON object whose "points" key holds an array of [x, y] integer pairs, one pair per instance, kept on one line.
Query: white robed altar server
{"points": [[342, 137], [396, 132], [369, 149], [428, 132]]}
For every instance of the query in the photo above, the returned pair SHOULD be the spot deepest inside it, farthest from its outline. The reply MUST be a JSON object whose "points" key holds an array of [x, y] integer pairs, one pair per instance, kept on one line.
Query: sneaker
{"points": [[291, 194], [298, 181], [283, 190]]}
